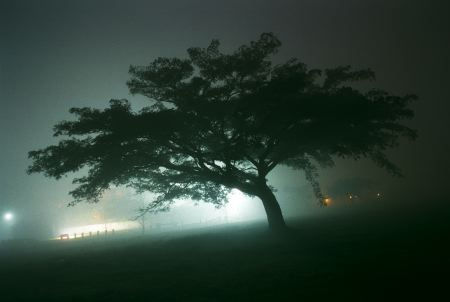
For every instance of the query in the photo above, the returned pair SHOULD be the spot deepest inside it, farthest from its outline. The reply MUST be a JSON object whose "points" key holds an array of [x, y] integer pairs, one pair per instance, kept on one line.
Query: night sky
{"points": [[55, 55]]}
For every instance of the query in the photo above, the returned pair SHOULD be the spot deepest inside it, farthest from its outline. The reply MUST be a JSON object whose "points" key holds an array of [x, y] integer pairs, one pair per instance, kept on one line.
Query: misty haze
{"points": [[224, 151]]}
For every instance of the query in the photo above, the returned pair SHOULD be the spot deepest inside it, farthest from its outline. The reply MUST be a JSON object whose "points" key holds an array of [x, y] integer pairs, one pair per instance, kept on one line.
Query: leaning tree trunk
{"points": [[273, 210]]}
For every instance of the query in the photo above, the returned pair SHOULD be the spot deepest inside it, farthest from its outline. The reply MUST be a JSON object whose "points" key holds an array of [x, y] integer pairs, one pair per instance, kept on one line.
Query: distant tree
{"points": [[221, 121]]}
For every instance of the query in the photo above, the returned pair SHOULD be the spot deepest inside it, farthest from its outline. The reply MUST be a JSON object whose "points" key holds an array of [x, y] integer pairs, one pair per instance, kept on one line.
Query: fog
{"points": [[54, 56], [379, 237]]}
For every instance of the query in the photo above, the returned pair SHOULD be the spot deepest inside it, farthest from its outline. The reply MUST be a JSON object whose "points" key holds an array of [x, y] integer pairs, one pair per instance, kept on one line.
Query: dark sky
{"points": [[59, 54]]}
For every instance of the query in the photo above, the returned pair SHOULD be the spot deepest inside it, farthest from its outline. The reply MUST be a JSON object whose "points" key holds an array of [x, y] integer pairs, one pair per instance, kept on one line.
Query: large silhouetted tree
{"points": [[221, 121]]}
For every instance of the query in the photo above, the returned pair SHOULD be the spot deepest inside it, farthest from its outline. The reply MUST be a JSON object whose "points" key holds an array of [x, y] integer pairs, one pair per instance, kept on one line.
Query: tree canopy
{"points": [[219, 121]]}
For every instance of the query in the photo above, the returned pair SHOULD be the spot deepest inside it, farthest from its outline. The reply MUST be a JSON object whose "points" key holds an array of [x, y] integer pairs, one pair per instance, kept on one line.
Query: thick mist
{"points": [[55, 56]]}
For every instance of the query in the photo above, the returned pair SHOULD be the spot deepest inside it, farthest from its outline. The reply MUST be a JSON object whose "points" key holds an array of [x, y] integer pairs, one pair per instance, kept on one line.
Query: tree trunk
{"points": [[273, 210]]}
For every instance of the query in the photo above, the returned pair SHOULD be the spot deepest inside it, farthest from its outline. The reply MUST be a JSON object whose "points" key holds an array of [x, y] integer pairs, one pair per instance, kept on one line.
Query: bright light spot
{"points": [[8, 216], [92, 229], [327, 201], [241, 207], [234, 205]]}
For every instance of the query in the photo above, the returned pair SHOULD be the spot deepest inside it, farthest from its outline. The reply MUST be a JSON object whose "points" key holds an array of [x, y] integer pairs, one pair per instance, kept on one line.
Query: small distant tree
{"points": [[220, 121], [141, 220]]}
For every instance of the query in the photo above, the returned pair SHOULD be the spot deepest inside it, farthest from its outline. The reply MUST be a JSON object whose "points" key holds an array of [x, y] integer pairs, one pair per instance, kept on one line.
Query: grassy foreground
{"points": [[341, 258]]}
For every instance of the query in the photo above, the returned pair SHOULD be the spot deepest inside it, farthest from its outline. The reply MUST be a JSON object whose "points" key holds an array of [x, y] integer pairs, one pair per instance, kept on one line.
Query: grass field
{"points": [[348, 257]]}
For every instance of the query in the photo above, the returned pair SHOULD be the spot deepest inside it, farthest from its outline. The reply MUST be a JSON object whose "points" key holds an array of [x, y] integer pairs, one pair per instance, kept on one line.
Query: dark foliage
{"points": [[221, 121]]}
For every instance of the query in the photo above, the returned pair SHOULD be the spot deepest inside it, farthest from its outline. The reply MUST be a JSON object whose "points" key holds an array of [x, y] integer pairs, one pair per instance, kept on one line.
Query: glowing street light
{"points": [[8, 216]]}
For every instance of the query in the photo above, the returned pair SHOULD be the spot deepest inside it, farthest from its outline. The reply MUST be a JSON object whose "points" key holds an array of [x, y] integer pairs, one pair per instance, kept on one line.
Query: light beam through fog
{"points": [[97, 229], [183, 215]]}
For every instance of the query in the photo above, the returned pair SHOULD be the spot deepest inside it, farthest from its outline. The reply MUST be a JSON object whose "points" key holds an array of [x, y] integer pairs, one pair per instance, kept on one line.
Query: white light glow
{"points": [[241, 207], [92, 229], [8, 216], [235, 204]]}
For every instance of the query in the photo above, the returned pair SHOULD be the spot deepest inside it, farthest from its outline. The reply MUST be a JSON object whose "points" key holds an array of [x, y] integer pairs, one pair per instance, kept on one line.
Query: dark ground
{"points": [[348, 257]]}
